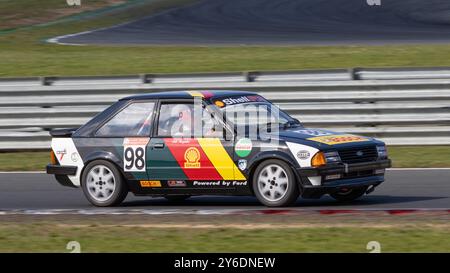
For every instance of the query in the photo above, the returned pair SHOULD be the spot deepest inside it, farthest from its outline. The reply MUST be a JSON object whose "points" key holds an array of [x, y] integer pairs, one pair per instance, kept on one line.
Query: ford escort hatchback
{"points": [[181, 144]]}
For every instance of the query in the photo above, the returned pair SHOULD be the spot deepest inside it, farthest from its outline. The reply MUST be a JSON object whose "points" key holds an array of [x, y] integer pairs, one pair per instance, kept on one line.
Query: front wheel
{"points": [[274, 184], [348, 195], [103, 184]]}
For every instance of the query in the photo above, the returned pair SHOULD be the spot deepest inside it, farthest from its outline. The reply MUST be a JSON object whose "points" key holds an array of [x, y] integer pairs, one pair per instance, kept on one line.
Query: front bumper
{"points": [[61, 170], [309, 191], [352, 176], [343, 168]]}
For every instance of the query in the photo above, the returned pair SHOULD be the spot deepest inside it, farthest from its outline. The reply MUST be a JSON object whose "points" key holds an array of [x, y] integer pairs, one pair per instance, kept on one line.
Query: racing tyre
{"points": [[103, 184], [349, 195], [176, 198], [274, 184]]}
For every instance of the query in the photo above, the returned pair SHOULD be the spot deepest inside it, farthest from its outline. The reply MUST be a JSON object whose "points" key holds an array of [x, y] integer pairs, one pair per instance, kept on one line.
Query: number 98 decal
{"points": [[134, 154]]}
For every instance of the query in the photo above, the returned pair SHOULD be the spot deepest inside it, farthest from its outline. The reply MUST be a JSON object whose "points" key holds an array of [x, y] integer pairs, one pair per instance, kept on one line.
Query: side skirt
{"points": [[177, 187]]}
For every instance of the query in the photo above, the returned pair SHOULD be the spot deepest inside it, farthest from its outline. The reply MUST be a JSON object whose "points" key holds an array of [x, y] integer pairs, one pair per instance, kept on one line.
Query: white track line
{"points": [[417, 169], [209, 211], [24, 172], [55, 40]]}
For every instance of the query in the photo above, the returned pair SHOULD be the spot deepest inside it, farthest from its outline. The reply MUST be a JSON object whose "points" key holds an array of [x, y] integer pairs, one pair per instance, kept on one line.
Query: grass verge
{"points": [[420, 156], [24, 161], [43, 60], [145, 234], [22, 13], [402, 157], [135, 239]]}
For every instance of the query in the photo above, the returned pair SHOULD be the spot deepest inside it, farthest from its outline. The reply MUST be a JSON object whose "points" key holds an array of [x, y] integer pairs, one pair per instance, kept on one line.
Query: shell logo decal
{"points": [[218, 103], [192, 156]]}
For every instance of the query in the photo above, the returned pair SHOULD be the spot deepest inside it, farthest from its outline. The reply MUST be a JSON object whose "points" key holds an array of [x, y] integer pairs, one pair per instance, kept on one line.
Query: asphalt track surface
{"points": [[403, 189], [282, 22]]}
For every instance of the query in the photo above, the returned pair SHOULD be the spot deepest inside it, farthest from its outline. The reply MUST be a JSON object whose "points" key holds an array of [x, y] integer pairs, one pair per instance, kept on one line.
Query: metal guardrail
{"points": [[403, 106]]}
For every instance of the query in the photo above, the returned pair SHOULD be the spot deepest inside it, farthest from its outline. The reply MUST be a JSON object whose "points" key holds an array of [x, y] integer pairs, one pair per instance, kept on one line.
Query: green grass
{"points": [[420, 157], [24, 161], [28, 237], [41, 59], [23, 52], [21, 13], [402, 157]]}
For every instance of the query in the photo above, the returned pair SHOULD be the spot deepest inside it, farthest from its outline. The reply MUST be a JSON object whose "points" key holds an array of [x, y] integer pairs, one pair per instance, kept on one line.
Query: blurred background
{"points": [[373, 67]]}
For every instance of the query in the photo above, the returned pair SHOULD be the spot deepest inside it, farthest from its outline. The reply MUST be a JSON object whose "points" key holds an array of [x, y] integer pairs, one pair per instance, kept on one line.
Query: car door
{"points": [[126, 136], [180, 152]]}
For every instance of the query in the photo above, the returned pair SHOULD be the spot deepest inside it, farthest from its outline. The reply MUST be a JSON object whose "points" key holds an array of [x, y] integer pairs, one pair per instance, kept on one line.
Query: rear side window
{"points": [[134, 120]]}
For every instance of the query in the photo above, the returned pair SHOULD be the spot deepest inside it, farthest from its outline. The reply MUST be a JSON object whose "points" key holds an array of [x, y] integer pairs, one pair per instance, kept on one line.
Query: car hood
{"points": [[324, 139]]}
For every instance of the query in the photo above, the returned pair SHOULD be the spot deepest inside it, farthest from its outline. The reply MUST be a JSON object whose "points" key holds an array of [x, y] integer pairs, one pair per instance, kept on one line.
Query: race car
{"points": [[187, 143]]}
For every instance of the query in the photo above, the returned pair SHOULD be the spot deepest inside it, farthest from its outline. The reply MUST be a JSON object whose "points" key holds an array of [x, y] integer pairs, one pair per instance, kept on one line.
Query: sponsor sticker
{"points": [[303, 154], [74, 157], [180, 140], [220, 104], [134, 153], [338, 139], [206, 183], [61, 154], [192, 157], [256, 98], [243, 147], [239, 183], [220, 183], [242, 164], [150, 183], [313, 132], [135, 141], [176, 183], [238, 100]]}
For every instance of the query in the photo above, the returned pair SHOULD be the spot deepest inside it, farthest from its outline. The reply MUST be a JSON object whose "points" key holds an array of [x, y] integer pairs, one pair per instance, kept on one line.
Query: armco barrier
{"points": [[403, 106]]}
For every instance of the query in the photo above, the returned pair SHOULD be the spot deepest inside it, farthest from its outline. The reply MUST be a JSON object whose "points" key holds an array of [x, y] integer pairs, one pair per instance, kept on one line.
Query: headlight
{"points": [[322, 158], [332, 157], [382, 152]]}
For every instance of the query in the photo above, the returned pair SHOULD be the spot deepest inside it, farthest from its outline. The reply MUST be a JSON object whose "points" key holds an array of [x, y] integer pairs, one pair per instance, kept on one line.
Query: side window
{"points": [[134, 120], [175, 119]]}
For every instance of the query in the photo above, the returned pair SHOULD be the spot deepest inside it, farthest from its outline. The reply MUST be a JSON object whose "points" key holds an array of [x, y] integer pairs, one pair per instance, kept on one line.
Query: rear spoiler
{"points": [[63, 132]]}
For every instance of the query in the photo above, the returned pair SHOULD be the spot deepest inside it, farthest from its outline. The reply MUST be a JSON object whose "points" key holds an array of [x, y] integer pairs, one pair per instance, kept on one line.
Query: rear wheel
{"points": [[274, 184], [103, 184], [347, 195], [176, 198]]}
